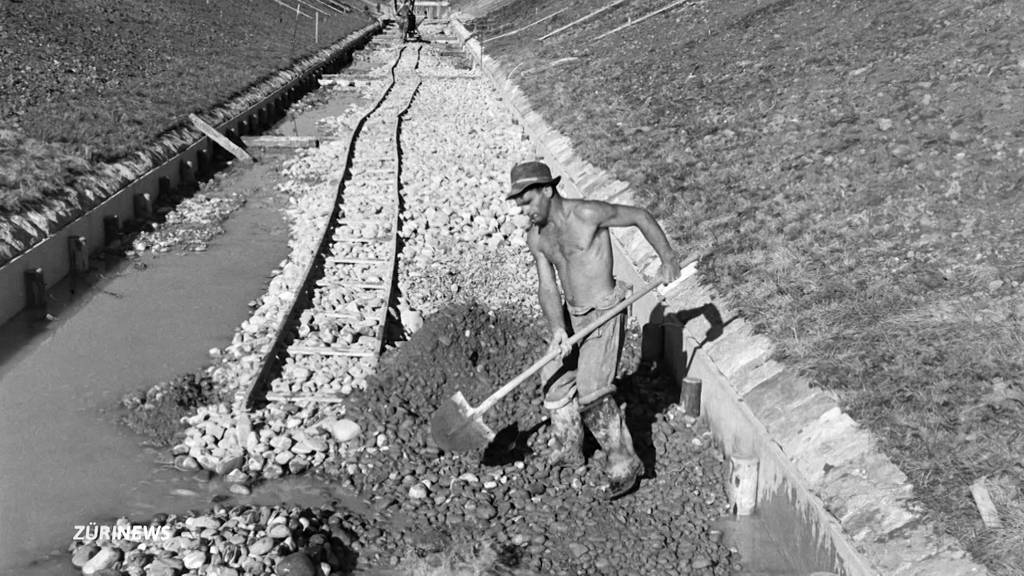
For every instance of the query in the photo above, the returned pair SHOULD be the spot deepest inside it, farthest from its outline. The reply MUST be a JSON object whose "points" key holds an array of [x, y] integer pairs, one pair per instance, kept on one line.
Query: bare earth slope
{"points": [[857, 169], [83, 81]]}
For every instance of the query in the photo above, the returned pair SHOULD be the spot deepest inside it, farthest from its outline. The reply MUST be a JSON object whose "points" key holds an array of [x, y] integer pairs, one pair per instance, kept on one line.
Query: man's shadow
{"points": [[651, 389]]}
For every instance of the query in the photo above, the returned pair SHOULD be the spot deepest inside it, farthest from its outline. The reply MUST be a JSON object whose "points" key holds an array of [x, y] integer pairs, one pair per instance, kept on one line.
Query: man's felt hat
{"points": [[526, 175]]}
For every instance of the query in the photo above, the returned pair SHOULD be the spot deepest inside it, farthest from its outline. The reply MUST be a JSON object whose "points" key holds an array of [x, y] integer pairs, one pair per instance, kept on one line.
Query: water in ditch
{"points": [[65, 459]]}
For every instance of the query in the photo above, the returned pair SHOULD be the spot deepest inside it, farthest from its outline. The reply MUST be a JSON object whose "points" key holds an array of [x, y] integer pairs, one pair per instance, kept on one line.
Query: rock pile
{"points": [[231, 542]]}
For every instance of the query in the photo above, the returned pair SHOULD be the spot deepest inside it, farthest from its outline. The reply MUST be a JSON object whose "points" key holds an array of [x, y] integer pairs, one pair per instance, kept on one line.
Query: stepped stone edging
{"points": [[818, 470]]}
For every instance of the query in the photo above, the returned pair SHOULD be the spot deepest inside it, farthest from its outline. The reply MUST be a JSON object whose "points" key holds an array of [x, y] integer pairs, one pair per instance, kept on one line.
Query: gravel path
{"points": [[467, 308]]}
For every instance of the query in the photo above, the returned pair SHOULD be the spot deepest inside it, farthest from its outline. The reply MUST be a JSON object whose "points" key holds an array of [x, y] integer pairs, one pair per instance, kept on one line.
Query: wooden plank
{"points": [[327, 351], [361, 221], [355, 261], [530, 25], [352, 240], [363, 285], [311, 398], [580, 20], [281, 141], [987, 509], [220, 139], [642, 18]]}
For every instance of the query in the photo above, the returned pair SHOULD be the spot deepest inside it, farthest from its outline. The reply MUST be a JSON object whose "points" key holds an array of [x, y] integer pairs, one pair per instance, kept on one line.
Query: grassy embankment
{"points": [[856, 167], [87, 81]]}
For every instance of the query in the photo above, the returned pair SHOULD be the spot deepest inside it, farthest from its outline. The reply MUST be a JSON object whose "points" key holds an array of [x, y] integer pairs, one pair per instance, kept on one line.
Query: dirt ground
{"points": [[529, 509], [856, 169], [87, 81]]}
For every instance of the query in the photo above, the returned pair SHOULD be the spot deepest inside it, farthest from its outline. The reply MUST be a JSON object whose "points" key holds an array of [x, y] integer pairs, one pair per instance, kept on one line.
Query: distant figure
{"points": [[406, 13]]}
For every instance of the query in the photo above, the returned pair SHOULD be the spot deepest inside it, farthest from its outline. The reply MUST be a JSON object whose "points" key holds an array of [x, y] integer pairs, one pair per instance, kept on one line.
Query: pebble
{"points": [[279, 531], [83, 554], [417, 491], [261, 546], [344, 430], [102, 560], [240, 489], [186, 463], [194, 559], [297, 564]]}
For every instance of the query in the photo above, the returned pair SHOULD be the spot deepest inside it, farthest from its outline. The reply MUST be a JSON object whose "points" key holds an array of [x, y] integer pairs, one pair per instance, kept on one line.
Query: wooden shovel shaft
{"points": [[612, 313]]}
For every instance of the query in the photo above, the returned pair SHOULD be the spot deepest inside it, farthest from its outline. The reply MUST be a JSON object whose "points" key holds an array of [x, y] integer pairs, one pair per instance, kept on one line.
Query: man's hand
{"points": [[669, 270], [560, 342]]}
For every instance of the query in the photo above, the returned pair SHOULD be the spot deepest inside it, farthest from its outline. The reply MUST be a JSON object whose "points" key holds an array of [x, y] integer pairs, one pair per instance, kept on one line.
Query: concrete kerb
{"points": [[818, 470]]}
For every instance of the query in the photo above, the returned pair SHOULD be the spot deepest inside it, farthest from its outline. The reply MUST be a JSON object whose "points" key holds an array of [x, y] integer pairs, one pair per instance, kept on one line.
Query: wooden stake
{"points": [[642, 18], [982, 499], [583, 19], [219, 138], [531, 24], [296, 8], [316, 28]]}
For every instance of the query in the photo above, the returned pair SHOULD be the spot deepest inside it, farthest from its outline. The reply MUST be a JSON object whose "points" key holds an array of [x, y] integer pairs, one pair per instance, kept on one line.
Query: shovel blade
{"points": [[456, 429]]}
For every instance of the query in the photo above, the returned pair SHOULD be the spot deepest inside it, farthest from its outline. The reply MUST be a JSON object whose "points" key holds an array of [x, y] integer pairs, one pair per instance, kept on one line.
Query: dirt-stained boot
{"points": [[567, 434], [608, 425]]}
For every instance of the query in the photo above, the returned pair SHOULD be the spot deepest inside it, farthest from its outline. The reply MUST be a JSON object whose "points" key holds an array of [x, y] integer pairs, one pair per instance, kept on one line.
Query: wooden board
{"points": [[221, 140], [281, 141]]}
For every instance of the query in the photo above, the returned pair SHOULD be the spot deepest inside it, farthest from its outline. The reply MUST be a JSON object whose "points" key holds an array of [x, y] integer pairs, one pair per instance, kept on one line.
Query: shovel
{"points": [[458, 427]]}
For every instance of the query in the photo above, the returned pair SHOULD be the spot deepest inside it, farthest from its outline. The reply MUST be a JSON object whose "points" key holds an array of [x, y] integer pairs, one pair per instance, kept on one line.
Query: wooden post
{"points": [[743, 485], [316, 28], [142, 203], [35, 289], [77, 255], [163, 187], [690, 396], [187, 171], [111, 229]]}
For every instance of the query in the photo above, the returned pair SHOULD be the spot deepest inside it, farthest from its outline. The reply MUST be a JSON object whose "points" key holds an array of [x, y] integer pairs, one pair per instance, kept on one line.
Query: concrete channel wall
{"points": [[52, 255], [822, 483]]}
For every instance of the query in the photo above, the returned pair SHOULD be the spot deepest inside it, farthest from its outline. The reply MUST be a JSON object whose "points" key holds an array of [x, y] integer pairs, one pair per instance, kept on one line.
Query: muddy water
{"points": [[64, 460]]}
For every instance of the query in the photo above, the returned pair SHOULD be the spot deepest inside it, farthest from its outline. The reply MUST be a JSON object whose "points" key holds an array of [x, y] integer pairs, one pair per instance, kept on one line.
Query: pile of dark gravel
{"points": [[156, 413], [552, 521]]}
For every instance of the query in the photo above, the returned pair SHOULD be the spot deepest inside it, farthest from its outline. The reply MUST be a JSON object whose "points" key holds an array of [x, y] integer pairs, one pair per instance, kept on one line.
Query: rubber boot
{"points": [[608, 425], [567, 433]]}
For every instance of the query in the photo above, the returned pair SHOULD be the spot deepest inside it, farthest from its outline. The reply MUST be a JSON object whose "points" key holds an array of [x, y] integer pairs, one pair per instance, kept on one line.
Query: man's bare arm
{"points": [[604, 214]]}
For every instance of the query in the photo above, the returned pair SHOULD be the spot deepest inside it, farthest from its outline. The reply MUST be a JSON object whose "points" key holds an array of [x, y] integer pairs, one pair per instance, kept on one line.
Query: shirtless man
{"points": [[570, 238]]}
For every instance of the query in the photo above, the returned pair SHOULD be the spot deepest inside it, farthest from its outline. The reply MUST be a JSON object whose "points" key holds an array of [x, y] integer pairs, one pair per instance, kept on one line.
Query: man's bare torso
{"points": [[581, 253]]}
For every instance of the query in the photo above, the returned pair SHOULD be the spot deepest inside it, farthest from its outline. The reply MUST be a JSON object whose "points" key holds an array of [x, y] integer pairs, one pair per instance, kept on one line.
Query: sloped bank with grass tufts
{"points": [[855, 169], [96, 93]]}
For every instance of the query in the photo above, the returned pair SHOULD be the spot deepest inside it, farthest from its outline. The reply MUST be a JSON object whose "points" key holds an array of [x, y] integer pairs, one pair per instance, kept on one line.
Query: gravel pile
{"points": [[232, 541], [190, 225]]}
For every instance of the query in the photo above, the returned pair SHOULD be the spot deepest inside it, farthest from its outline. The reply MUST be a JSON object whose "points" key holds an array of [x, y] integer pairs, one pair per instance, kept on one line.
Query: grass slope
{"points": [[88, 80], [857, 167]]}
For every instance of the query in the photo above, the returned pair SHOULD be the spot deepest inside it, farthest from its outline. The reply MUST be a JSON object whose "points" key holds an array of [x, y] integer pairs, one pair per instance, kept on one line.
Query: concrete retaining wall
{"points": [[51, 252], [822, 481]]}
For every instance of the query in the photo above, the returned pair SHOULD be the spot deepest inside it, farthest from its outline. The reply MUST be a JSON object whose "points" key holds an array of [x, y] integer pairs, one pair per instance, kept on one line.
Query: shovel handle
{"points": [[689, 269]]}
